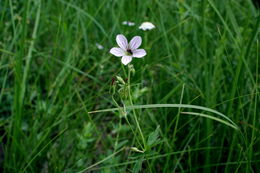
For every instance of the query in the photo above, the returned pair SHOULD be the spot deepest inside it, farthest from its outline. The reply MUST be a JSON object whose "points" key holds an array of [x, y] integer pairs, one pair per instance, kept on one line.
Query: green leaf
{"points": [[138, 166], [153, 137]]}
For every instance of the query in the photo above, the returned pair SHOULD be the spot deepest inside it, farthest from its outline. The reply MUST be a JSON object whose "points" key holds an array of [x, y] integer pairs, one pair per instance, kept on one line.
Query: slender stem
{"points": [[131, 102], [121, 122], [118, 133], [133, 131]]}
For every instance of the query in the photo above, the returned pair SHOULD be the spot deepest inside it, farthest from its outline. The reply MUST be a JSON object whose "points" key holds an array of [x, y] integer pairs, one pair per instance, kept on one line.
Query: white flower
{"points": [[124, 23], [146, 26], [128, 23], [99, 46], [131, 24], [128, 51]]}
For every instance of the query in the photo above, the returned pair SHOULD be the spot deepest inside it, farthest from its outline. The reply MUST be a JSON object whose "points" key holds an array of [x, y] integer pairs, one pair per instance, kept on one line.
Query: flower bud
{"points": [[119, 79], [136, 150], [131, 68]]}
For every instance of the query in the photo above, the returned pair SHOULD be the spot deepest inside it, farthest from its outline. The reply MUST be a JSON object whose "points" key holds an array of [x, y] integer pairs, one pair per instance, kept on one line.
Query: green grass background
{"points": [[202, 52]]}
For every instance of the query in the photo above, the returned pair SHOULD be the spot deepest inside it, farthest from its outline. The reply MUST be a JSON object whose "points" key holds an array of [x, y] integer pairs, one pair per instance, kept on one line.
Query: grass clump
{"points": [[192, 104]]}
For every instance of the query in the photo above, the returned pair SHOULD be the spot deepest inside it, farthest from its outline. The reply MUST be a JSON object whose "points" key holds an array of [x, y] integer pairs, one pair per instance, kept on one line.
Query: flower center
{"points": [[129, 51]]}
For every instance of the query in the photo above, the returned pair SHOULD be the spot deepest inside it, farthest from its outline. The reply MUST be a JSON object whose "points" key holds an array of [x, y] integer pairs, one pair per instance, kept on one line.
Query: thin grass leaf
{"points": [[167, 106], [213, 118]]}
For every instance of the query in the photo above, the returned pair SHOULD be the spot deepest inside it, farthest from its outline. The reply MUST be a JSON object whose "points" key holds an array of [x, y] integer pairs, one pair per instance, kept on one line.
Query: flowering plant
{"points": [[128, 50]]}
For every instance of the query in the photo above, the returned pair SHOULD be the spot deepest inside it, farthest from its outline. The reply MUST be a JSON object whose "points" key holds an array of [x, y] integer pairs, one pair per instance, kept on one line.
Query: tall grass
{"points": [[194, 98]]}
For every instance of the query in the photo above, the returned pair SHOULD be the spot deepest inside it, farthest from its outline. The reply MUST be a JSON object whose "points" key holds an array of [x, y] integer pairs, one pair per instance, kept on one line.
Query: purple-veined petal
{"points": [[139, 53], [117, 51], [126, 59], [122, 41], [135, 42]]}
